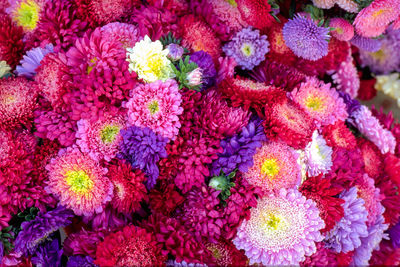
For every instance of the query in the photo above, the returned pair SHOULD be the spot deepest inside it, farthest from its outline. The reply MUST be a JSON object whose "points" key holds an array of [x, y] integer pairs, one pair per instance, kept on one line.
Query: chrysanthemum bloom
{"points": [[126, 34], [338, 135], [207, 67], [31, 61], [100, 140], [149, 60], [37, 230], [366, 44], [239, 149], [305, 38], [346, 234], [198, 35], [288, 122], [275, 167], [248, 93], [347, 5], [83, 242], [255, 12], [318, 155], [79, 261], [370, 127], [131, 246], [17, 101], [26, 13], [228, 13], [346, 77], [343, 30], [392, 167], [157, 106], [282, 229], [324, 194], [372, 158], [321, 102], [386, 255], [79, 182], [166, 199], [143, 149], [11, 44], [248, 48], [373, 19], [129, 189]]}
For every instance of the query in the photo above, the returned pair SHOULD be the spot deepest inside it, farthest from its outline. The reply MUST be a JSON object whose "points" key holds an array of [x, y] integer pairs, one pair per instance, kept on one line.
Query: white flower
{"points": [[318, 155], [4, 69]]}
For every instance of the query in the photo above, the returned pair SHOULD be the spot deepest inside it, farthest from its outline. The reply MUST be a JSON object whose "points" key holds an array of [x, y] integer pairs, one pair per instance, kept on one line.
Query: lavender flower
{"points": [[143, 149], [175, 51], [352, 104], [347, 233], [32, 60], [305, 38], [80, 261], [239, 149], [318, 155], [206, 64], [48, 255], [34, 232], [248, 48], [366, 44]]}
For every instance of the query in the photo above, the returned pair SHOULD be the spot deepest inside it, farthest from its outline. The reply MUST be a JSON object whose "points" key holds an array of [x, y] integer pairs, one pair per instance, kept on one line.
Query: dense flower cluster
{"points": [[198, 133]]}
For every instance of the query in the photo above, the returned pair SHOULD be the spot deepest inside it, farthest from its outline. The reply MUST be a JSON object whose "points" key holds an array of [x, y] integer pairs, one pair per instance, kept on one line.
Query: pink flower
{"points": [[343, 31]]}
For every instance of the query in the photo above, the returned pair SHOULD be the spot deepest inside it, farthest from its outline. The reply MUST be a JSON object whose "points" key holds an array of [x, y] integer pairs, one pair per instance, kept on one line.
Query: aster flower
{"points": [[143, 149], [343, 31], [366, 44], [175, 51], [369, 126], [79, 182], [283, 224], [372, 158], [346, 78], [129, 189], [248, 48], [275, 167], [367, 191], [205, 63], [338, 135], [318, 155], [387, 255], [238, 150], [100, 140], [31, 61], [39, 229], [391, 165], [166, 199], [80, 261], [4, 69], [48, 255], [347, 233], [391, 192], [305, 38], [109, 218], [321, 102], [83, 242], [126, 34], [26, 13], [131, 246], [11, 44], [226, 68], [372, 20], [255, 12], [224, 253]]}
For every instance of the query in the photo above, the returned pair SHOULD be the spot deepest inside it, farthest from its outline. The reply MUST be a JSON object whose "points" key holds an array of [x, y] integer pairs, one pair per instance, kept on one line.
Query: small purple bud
{"points": [[175, 51]]}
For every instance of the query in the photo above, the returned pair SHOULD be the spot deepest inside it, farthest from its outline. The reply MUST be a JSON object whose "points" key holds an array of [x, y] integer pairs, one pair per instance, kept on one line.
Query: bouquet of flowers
{"points": [[198, 133]]}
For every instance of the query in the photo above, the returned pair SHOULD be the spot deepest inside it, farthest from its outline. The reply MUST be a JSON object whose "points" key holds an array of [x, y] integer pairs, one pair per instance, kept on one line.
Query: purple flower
{"points": [[347, 233], [80, 261], [394, 234], [32, 60], [1, 251], [175, 51], [352, 104], [239, 149], [38, 230], [366, 44], [206, 64], [48, 255], [248, 48], [143, 149], [305, 38]]}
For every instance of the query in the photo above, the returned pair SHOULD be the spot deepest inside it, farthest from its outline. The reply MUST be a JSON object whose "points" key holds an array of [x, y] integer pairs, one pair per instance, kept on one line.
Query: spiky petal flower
{"points": [[369, 126], [282, 229], [318, 156], [347, 5], [347, 233], [32, 60], [79, 182], [305, 38], [275, 167], [248, 48], [157, 106], [321, 102], [343, 31]]}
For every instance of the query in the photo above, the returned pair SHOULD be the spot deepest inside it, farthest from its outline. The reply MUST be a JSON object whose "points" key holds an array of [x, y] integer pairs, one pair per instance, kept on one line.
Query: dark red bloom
{"points": [[338, 135], [165, 199], [367, 90], [11, 44], [256, 13]]}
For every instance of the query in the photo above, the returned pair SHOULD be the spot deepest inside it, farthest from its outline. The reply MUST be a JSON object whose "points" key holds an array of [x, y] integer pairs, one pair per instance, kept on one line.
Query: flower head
{"points": [[11, 44], [80, 261], [31, 61], [205, 63], [157, 106], [318, 156], [343, 31], [346, 77], [126, 34], [79, 182], [305, 38], [255, 12], [248, 48], [282, 229], [175, 51], [26, 13], [48, 255]]}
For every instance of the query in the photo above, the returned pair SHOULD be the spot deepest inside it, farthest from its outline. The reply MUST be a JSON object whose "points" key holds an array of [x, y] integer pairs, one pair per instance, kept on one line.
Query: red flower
{"points": [[165, 199], [11, 44], [338, 135], [372, 158], [367, 90], [391, 191], [256, 13], [392, 167]]}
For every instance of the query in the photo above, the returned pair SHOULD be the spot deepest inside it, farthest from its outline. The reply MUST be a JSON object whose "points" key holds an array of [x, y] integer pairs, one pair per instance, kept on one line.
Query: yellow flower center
{"points": [[273, 221], [215, 252], [153, 107], [247, 49], [79, 181], [92, 64], [109, 133], [314, 103], [270, 167], [27, 15], [232, 2], [379, 12], [9, 99], [339, 30], [156, 64], [379, 55]]}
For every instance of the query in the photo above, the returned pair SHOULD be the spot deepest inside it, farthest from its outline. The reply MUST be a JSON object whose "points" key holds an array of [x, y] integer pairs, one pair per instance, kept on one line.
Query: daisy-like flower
{"points": [[31, 61], [321, 102], [4, 69], [347, 5], [343, 30], [338, 135], [305, 38], [100, 140], [149, 60], [79, 182], [157, 106], [26, 13], [248, 48], [373, 19], [318, 155], [282, 229], [275, 167]]}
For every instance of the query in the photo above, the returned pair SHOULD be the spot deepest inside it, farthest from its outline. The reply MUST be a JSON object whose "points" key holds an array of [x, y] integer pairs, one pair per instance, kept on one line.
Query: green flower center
{"points": [[109, 133], [27, 15], [153, 107], [79, 181], [247, 49]]}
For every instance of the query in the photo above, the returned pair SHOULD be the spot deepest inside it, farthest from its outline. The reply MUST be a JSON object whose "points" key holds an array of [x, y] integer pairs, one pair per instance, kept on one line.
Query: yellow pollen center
{"points": [[379, 55], [270, 167], [156, 64], [378, 13], [153, 107], [92, 64], [79, 181], [232, 2], [109, 133], [273, 221], [314, 103], [247, 50], [27, 15], [9, 99], [339, 30], [216, 253]]}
